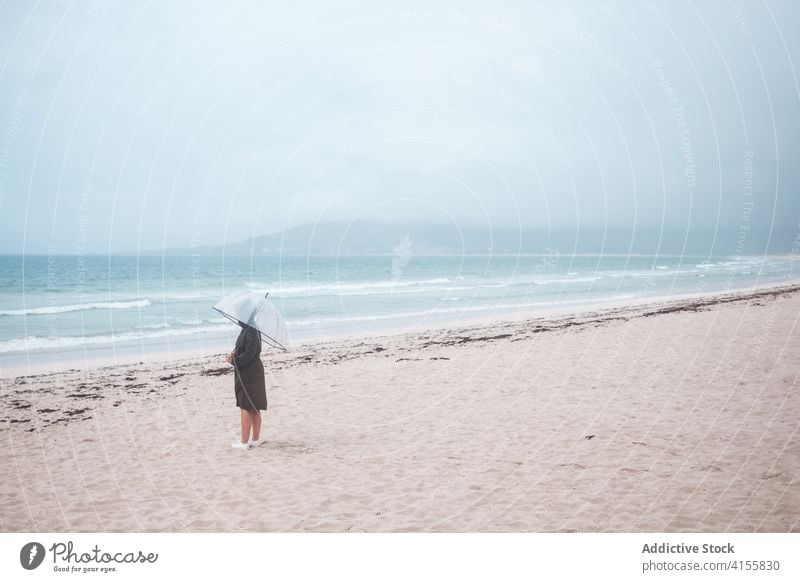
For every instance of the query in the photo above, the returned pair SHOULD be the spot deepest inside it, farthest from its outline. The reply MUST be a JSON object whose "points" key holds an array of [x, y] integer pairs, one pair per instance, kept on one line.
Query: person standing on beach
{"points": [[249, 385]]}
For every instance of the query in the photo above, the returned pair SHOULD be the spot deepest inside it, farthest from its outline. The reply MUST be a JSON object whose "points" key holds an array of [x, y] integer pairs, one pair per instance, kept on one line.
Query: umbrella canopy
{"points": [[253, 309]]}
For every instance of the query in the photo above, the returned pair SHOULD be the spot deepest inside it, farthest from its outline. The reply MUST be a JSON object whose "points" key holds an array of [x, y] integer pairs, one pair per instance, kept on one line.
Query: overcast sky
{"points": [[167, 124]]}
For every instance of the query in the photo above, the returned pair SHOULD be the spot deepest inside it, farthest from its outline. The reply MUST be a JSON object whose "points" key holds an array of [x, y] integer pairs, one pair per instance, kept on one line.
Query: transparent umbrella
{"points": [[255, 310]]}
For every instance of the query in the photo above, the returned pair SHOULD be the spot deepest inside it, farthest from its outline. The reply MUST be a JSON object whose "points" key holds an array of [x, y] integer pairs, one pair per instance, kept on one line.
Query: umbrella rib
{"points": [[270, 340]]}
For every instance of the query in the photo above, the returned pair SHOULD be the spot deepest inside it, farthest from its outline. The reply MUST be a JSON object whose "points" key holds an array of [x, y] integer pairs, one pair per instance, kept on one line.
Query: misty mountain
{"points": [[366, 238]]}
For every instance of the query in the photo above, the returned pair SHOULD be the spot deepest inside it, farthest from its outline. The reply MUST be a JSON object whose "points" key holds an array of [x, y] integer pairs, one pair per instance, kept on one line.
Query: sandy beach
{"points": [[680, 416]]}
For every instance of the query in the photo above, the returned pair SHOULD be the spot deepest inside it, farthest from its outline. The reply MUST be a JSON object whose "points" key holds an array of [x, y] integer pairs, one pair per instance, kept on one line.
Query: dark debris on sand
{"points": [[20, 405], [170, 377], [18, 399], [217, 371]]}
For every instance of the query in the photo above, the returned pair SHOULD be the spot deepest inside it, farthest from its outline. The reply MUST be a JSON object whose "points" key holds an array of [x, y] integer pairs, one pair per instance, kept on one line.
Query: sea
{"points": [[61, 308]]}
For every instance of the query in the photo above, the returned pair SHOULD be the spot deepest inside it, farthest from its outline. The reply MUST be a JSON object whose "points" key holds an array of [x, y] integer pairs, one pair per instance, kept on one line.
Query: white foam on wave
{"points": [[399, 291], [572, 280], [153, 326], [450, 310], [139, 303], [662, 273], [31, 343], [182, 323], [179, 296], [342, 288]]}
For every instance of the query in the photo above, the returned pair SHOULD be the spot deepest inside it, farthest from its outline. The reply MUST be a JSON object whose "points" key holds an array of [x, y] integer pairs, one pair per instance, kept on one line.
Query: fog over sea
{"points": [[70, 307]]}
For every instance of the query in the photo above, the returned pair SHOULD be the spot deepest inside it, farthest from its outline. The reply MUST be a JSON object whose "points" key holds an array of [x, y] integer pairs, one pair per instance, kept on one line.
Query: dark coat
{"points": [[249, 371]]}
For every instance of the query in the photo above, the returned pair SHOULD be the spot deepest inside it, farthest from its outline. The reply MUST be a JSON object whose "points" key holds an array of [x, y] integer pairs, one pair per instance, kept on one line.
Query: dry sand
{"points": [[680, 416]]}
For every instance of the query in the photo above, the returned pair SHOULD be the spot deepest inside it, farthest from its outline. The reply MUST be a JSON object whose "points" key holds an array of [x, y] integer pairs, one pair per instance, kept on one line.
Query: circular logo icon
{"points": [[31, 555]]}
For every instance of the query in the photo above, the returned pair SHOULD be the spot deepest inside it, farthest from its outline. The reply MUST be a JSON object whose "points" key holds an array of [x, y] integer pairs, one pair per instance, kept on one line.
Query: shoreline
{"points": [[675, 416], [132, 355]]}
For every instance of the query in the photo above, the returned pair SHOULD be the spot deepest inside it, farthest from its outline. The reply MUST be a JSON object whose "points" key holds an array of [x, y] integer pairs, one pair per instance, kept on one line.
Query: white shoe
{"points": [[239, 445], [257, 443]]}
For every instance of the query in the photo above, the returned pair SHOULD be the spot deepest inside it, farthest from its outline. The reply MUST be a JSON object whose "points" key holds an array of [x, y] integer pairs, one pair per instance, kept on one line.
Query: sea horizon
{"points": [[78, 307]]}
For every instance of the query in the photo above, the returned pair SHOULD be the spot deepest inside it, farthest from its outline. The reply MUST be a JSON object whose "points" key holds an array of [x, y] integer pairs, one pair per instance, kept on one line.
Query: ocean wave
{"points": [[401, 291], [139, 303], [179, 296], [572, 280], [447, 310], [194, 322], [154, 326], [341, 288], [650, 274], [738, 262]]}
